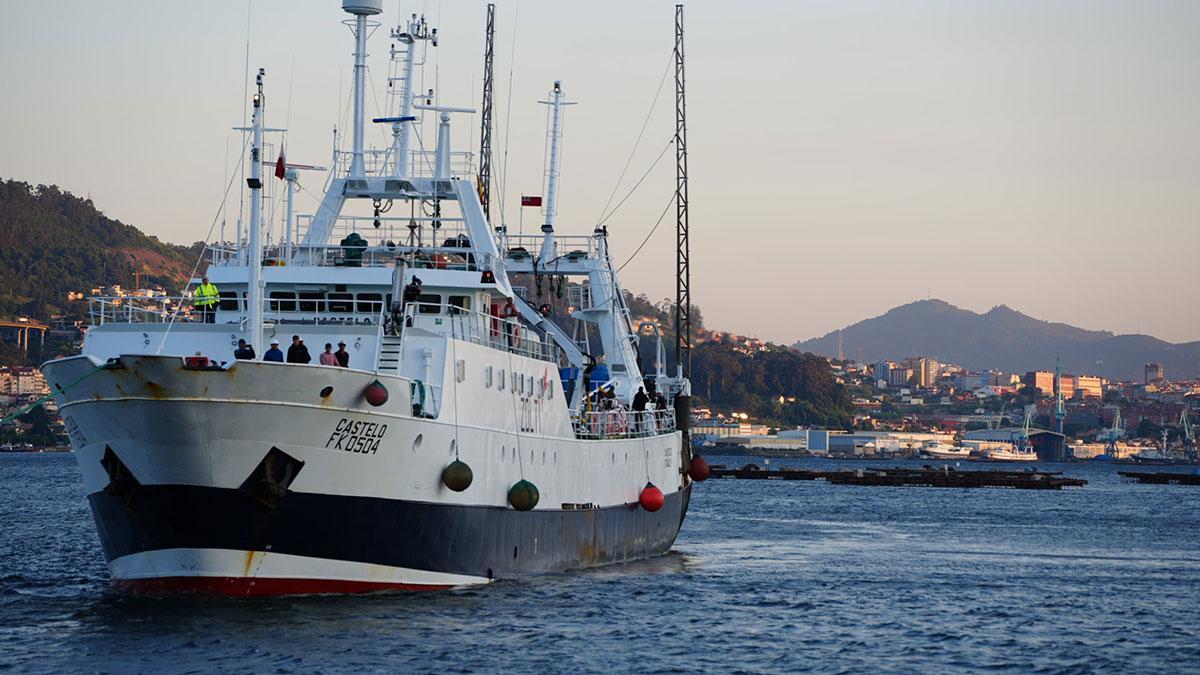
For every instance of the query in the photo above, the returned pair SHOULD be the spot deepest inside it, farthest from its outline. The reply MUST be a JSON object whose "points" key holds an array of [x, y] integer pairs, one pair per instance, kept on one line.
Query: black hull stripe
{"points": [[469, 540]]}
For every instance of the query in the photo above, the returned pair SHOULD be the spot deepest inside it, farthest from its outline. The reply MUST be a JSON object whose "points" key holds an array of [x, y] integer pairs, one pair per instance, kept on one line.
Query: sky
{"points": [[845, 156]]}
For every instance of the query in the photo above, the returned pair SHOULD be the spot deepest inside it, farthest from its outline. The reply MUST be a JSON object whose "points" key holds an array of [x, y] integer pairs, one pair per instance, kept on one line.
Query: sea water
{"points": [[767, 576]]}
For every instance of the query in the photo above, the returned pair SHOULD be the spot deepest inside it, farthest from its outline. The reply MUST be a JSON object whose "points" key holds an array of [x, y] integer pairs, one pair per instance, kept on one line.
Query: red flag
{"points": [[530, 201], [280, 168]]}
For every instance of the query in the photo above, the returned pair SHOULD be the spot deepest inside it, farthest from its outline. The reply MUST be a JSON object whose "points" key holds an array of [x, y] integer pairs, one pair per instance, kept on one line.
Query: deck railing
{"points": [[519, 247], [622, 423], [417, 257], [380, 162], [505, 334], [137, 309]]}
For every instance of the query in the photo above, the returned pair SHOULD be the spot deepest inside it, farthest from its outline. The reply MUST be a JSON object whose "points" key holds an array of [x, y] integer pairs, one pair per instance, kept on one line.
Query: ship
{"points": [[486, 423], [940, 450], [1020, 451]]}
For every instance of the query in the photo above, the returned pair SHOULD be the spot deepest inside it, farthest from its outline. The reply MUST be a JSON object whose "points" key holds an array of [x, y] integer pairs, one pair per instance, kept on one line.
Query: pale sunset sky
{"points": [[846, 156]]}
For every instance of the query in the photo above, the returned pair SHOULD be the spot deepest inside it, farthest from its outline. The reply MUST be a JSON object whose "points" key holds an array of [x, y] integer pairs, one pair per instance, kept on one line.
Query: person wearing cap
{"points": [[298, 351], [244, 351], [343, 356], [273, 354], [327, 358]]}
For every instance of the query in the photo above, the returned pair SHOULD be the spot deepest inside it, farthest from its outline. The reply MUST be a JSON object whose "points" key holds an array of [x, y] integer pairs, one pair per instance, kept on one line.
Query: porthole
{"points": [[417, 442]]}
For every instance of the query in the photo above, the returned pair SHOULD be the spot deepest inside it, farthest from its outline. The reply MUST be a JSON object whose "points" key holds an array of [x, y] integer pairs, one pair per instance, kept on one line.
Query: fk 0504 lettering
{"points": [[356, 436]]}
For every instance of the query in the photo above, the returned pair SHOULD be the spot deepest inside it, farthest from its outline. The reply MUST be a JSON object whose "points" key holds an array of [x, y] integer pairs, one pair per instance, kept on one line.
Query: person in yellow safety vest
{"points": [[205, 300]]}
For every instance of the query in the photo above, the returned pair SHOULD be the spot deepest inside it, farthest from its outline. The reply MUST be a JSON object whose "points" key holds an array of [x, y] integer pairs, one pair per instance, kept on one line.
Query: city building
{"points": [[721, 427], [1155, 373], [925, 369], [882, 371], [22, 381], [1086, 386], [899, 376], [970, 381]]}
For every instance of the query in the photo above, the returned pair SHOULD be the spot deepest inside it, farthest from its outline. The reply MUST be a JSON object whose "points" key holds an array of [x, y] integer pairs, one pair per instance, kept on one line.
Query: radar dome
{"points": [[363, 7]]}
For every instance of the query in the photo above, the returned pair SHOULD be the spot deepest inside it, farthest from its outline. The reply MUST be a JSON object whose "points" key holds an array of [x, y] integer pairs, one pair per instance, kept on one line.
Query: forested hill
{"points": [[731, 377], [52, 242]]}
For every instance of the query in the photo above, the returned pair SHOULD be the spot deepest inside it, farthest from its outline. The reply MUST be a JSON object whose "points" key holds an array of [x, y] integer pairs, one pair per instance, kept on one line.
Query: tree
{"points": [[1147, 429]]}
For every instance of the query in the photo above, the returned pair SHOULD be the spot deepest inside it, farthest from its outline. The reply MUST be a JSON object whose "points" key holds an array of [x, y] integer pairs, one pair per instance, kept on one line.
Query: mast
{"points": [[254, 182], [683, 273], [485, 118], [554, 140], [361, 9], [417, 29]]}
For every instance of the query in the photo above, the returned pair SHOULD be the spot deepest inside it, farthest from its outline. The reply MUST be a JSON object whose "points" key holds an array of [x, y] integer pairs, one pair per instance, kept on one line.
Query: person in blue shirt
{"points": [[274, 354]]}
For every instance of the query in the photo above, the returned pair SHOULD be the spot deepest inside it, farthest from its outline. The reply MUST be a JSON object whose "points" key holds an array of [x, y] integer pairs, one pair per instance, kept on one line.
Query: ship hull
{"points": [[167, 538], [251, 481]]}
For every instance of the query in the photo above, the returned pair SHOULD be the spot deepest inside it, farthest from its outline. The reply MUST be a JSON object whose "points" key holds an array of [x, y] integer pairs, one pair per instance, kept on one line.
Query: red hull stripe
{"points": [[245, 586]]}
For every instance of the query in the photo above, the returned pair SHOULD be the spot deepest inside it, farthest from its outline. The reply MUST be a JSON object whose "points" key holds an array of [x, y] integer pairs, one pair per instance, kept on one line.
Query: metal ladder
{"points": [[389, 354]]}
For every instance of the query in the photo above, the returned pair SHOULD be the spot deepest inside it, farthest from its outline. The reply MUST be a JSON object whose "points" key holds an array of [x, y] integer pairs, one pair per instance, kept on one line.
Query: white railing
{"points": [[137, 309], [505, 334], [425, 257], [518, 247], [393, 227], [622, 423], [379, 162]]}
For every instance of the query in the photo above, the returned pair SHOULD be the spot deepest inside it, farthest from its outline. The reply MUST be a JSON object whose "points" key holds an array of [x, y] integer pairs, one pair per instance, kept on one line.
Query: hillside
{"points": [[52, 242], [1006, 339]]}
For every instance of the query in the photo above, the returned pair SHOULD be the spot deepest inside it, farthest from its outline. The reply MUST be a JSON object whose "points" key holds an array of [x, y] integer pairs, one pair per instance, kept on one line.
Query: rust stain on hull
{"points": [[250, 555]]}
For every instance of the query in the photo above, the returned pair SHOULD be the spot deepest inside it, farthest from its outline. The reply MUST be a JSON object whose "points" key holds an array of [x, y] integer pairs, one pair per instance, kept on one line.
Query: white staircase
{"points": [[389, 355]]}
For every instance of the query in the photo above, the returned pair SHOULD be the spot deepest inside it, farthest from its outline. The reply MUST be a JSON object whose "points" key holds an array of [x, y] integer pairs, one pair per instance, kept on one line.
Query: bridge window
{"points": [[430, 303], [228, 302], [370, 303], [312, 301], [459, 303], [341, 302], [282, 301]]}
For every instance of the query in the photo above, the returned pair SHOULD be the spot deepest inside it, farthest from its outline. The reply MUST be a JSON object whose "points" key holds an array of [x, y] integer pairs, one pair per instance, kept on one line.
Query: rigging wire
{"points": [[207, 238], [662, 81], [512, 65], [649, 234], [638, 183], [245, 96]]}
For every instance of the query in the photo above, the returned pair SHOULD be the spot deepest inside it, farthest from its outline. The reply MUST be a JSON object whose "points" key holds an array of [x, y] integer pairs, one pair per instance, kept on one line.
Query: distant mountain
{"points": [[52, 242], [1005, 339]]}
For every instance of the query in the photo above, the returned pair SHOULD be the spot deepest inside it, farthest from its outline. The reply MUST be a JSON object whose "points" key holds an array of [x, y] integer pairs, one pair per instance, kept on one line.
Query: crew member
{"points": [[205, 300], [327, 357], [298, 352], [343, 356], [509, 314], [640, 399], [274, 354], [244, 351]]}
